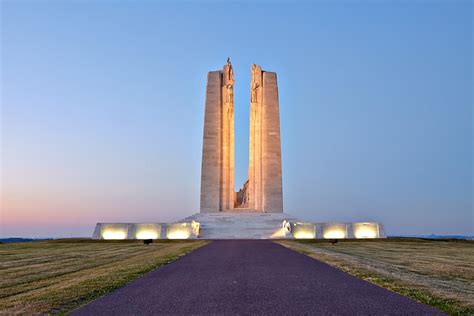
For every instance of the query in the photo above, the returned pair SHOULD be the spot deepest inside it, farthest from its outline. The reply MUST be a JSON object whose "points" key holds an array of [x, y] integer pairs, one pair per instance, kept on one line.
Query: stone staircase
{"points": [[241, 225]]}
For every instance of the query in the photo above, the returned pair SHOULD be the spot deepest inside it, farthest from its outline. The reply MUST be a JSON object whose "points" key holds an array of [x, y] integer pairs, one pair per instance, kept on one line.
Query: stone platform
{"points": [[239, 224]]}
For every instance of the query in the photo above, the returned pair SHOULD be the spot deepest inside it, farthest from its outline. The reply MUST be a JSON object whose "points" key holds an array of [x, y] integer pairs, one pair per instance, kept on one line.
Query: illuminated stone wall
{"points": [[361, 230], [303, 230], [334, 231], [141, 231], [146, 231], [112, 231], [179, 231], [366, 230], [225, 225]]}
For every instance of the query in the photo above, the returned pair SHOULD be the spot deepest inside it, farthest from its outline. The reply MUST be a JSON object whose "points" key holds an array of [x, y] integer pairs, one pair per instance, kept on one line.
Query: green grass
{"points": [[439, 273], [58, 276]]}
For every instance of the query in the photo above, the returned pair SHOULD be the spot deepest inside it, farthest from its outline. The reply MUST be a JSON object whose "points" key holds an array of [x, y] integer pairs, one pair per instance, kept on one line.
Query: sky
{"points": [[102, 109]]}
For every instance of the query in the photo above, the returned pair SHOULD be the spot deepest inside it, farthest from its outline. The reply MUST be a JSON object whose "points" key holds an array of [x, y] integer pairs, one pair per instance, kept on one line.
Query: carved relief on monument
{"points": [[229, 101], [255, 89], [242, 197], [227, 194], [228, 73], [256, 83], [228, 83]]}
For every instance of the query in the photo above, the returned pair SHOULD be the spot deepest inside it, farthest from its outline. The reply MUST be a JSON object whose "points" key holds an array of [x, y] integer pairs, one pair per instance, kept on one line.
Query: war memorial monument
{"points": [[256, 210]]}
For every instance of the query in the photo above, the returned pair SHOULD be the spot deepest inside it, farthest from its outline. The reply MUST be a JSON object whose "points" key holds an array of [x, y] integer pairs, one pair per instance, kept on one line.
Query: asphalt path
{"points": [[251, 277]]}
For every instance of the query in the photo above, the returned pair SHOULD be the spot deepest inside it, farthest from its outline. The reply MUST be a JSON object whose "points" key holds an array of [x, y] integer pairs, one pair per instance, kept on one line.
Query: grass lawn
{"points": [[58, 276], [435, 272]]}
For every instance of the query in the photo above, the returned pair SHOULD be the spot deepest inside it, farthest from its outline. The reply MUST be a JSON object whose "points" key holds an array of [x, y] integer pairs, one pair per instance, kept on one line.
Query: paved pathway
{"points": [[251, 277]]}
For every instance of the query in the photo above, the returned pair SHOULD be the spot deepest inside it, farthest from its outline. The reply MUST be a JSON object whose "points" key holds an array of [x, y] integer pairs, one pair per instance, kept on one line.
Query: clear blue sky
{"points": [[103, 101]]}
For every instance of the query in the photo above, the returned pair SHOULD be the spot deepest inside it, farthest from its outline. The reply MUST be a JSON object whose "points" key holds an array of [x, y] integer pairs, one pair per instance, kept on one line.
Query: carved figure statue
{"points": [[230, 110], [230, 93], [255, 85], [254, 110], [229, 72], [242, 197], [254, 94], [245, 194]]}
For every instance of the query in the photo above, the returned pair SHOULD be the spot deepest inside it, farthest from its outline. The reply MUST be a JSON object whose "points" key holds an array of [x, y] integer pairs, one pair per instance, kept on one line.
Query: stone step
{"points": [[240, 224]]}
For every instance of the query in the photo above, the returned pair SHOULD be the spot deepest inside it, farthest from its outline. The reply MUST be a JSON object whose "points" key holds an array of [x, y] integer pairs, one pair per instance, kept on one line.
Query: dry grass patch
{"points": [[58, 276], [438, 273]]}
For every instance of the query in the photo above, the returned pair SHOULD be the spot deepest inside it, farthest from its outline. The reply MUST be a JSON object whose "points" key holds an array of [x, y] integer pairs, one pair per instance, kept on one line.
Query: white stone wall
{"points": [[228, 225]]}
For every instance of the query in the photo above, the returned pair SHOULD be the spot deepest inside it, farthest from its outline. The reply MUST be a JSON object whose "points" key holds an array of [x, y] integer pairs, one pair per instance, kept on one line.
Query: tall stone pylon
{"points": [[265, 192], [255, 140], [217, 172]]}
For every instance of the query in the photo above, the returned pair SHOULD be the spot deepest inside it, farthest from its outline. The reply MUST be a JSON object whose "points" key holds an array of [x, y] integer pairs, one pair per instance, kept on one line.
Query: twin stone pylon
{"points": [[262, 192]]}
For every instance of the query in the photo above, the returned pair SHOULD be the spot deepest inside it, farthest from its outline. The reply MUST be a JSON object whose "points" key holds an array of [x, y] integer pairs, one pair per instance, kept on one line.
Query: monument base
{"points": [[239, 225]]}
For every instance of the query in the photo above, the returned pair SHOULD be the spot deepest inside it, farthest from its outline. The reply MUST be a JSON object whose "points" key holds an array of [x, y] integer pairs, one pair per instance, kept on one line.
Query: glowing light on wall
{"points": [[303, 235], [114, 234], [179, 231], [147, 234], [114, 231], [334, 234], [147, 231], [303, 231], [366, 230], [335, 231], [178, 234]]}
